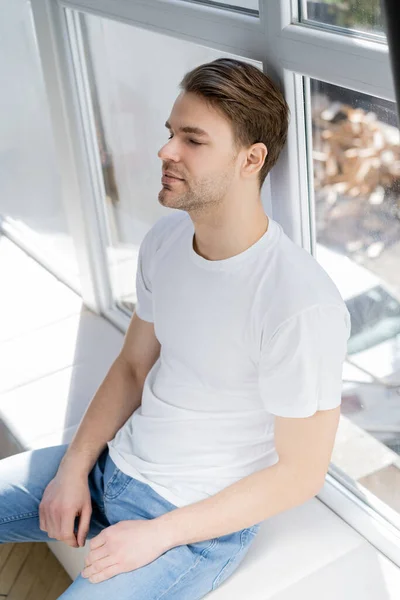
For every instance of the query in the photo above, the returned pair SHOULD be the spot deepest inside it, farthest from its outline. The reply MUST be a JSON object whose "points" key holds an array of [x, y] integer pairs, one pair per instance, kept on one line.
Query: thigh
{"points": [[23, 479], [184, 572], [187, 572]]}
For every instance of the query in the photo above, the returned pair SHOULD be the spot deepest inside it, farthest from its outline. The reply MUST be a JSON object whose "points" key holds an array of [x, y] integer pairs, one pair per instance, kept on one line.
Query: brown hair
{"points": [[251, 101]]}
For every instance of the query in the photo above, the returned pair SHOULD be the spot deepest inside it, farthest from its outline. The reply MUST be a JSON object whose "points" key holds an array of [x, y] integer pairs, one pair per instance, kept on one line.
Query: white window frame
{"points": [[288, 51]]}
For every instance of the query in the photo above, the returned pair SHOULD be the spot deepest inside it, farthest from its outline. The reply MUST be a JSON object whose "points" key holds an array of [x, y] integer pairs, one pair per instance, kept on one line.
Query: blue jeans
{"points": [[186, 572]]}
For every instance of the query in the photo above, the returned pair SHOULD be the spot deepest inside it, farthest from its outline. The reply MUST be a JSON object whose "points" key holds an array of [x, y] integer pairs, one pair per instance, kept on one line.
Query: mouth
{"points": [[170, 179]]}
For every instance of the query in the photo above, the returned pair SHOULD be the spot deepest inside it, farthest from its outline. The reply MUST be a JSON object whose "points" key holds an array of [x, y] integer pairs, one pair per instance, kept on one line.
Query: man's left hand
{"points": [[123, 547]]}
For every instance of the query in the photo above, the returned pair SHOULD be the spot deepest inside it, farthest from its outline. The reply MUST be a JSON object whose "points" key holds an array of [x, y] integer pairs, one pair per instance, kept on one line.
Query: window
{"points": [[250, 6], [356, 176], [335, 188], [363, 16], [31, 204], [130, 115], [375, 319]]}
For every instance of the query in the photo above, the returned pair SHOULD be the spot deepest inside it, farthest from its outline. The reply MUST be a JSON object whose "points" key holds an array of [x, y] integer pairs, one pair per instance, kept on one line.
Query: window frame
{"points": [[290, 52]]}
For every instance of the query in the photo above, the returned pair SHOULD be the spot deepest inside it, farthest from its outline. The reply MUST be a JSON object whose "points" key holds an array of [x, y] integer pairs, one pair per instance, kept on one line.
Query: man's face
{"points": [[205, 163]]}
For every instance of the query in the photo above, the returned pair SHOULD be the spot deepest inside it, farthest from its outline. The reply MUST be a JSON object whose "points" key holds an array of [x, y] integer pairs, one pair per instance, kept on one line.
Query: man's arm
{"points": [[117, 398], [304, 447]]}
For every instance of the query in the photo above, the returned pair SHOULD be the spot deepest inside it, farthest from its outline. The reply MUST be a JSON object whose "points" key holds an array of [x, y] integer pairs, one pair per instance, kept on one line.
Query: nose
{"points": [[168, 152]]}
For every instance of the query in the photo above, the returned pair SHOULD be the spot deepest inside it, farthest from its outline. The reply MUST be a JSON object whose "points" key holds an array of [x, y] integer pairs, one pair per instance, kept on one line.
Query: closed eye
{"points": [[191, 141]]}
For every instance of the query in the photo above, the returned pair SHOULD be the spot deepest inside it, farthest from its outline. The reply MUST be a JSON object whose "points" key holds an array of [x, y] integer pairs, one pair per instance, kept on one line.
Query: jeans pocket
{"points": [[109, 481], [116, 484]]}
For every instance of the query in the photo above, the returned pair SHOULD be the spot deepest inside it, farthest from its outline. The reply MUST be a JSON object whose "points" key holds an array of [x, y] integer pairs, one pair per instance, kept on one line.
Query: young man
{"points": [[222, 407]]}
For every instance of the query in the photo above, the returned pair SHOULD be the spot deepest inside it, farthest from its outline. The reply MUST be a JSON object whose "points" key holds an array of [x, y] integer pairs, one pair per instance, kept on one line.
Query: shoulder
{"points": [[303, 271], [298, 290], [317, 324], [301, 274]]}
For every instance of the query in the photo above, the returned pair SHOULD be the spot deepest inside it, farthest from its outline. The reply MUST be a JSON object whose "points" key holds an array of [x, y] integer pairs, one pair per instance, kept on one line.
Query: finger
{"points": [[106, 574], [70, 541], [66, 530], [97, 541], [42, 519], [95, 555], [51, 523], [99, 566], [84, 523]]}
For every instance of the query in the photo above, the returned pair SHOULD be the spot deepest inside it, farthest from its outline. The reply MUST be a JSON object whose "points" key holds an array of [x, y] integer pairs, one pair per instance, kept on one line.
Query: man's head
{"points": [[244, 118]]}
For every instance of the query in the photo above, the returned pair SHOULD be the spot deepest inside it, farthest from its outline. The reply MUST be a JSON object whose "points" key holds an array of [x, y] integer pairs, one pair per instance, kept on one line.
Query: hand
{"points": [[66, 497], [124, 547]]}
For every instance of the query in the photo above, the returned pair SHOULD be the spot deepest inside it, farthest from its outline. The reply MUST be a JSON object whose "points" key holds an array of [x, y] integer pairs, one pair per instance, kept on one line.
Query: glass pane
{"points": [[30, 186], [133, 93], [247, 5], [365, 16], [356, 164]]}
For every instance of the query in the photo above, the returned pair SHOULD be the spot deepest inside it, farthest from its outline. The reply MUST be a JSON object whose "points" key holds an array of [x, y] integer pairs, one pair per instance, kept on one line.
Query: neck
{"points": [[225, 234]]}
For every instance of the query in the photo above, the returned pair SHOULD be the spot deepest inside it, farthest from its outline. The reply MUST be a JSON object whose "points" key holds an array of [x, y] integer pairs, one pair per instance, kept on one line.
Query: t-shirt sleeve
{"points": [[144, 302], [300, 369]]}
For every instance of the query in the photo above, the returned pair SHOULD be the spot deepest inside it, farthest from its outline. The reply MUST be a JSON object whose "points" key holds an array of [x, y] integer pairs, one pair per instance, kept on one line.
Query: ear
{"points": [[254, 159]]}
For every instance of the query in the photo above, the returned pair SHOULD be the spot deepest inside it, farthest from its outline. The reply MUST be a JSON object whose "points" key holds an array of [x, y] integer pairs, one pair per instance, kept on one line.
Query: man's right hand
{"points": [[66, 497]]}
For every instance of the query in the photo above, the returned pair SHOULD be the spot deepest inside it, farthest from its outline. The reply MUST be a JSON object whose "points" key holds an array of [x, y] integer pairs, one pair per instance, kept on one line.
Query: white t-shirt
{"points": [[243, 339]]}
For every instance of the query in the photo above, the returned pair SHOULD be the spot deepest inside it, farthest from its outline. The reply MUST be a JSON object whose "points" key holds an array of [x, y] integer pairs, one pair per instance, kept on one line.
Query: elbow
{"points": [[315, 490], [302, 479]]}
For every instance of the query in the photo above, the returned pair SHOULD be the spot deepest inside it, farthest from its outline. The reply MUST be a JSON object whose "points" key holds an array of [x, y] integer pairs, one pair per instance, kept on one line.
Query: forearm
{"points": [[114, 402], [242, 504]]}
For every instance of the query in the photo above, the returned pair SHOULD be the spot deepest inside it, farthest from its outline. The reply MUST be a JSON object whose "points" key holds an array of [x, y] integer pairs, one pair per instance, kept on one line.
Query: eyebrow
{"points": [[195, 130]]}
